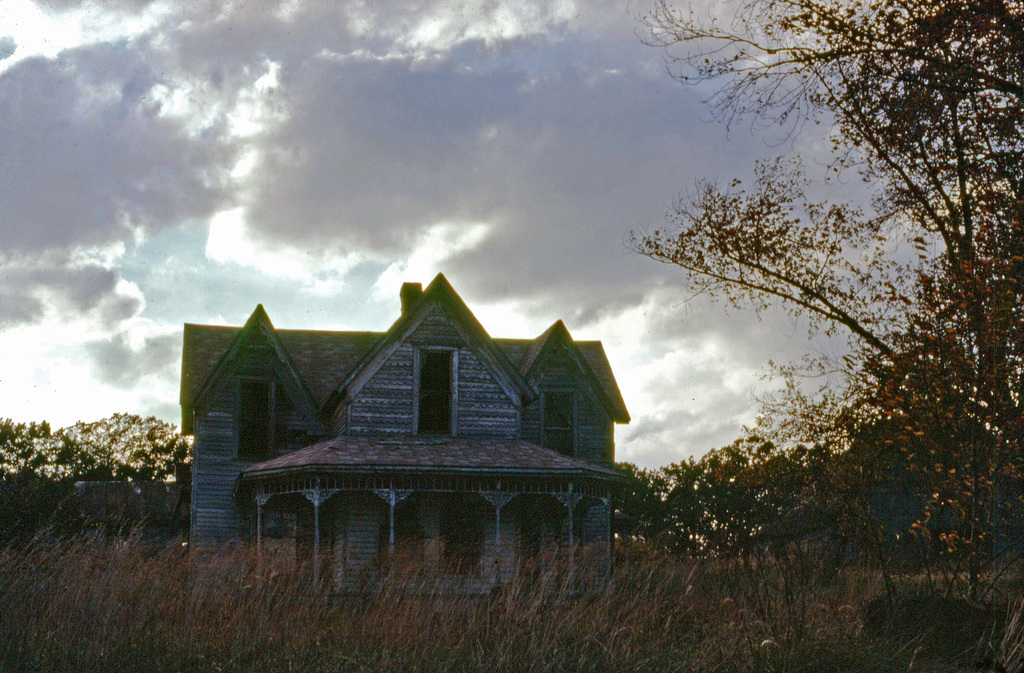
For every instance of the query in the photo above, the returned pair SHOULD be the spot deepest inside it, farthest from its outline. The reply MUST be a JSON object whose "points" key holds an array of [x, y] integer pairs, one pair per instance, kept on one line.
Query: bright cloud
{"points": [[438, 244]]}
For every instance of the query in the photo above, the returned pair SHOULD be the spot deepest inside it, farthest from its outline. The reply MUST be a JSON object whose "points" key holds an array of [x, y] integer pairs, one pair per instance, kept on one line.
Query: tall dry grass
{"points": [[89, 604]]}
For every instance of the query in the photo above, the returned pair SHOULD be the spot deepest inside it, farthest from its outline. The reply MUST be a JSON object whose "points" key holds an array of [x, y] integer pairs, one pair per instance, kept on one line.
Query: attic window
{"points": [[558, 421], [255, 418], [435, 396]]}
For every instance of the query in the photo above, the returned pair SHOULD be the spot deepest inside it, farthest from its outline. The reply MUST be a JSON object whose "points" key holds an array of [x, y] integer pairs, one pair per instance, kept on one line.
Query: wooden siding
{"points": [[431, 520], [595, 537], [387, 402], [594, 522], [484, 410], [531, 422], [593, 437], [294, 427], [339, 420], [595, 441], [358, 520], [436, 330], [216, 515], [360, 524]]}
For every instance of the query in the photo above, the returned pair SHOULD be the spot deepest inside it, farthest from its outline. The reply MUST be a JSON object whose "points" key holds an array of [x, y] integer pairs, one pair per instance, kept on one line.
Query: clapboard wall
{"points": [[387, 402], [216, 514], [593, 438]]}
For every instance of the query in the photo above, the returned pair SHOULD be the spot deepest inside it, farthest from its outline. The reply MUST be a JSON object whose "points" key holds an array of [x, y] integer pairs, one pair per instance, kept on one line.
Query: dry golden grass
{"points": [[86, 604]]}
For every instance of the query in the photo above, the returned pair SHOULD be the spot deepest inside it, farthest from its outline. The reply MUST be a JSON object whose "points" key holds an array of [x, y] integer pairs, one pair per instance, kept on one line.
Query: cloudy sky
{"points": [[166, 162]]}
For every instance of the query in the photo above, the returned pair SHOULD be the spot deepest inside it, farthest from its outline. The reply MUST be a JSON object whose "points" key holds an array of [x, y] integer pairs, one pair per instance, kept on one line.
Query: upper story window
{"points": [[434, 412], [559, 416], [255, 418]]}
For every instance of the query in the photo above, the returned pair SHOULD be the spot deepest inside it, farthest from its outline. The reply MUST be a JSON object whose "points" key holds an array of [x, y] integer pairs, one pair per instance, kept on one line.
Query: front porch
{"points": [[440, 532]]}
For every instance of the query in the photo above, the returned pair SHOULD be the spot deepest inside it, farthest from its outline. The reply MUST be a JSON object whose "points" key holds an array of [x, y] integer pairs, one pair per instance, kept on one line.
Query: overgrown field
{"points": [[87, 604]]}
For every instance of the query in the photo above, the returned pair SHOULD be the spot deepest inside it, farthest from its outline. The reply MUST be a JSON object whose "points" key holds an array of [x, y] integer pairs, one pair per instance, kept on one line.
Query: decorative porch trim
{"points": [[498, 499], [555, 486], [392, 497], [394, 489]]}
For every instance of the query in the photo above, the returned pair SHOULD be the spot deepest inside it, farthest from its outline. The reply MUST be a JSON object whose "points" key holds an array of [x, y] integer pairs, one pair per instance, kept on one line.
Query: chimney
{"points": [[410, 294]]}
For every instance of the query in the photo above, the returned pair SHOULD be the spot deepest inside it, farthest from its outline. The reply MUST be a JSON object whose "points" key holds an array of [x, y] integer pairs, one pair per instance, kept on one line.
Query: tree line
{"points": [[737, 500], [39, 465]]}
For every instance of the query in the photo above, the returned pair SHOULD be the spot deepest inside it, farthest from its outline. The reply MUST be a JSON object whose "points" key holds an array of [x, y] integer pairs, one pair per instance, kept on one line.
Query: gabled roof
{"points": [[597, 359], [416, 453], [606, 391], [325, 361], [593, 353], [439, 295], [321, 358], [258, 325]]}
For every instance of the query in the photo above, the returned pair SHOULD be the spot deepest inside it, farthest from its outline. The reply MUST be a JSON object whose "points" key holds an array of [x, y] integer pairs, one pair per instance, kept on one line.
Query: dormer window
{"points": [[559, 415], [255, 418], [434, 411]]}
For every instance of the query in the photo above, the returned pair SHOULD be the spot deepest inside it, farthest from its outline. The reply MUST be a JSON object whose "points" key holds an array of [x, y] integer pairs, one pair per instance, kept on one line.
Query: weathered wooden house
{"points": [[337, 450]]}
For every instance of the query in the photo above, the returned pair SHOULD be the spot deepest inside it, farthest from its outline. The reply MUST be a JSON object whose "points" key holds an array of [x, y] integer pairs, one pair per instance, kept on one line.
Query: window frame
{"points": [[241, 452], [453, 390]]}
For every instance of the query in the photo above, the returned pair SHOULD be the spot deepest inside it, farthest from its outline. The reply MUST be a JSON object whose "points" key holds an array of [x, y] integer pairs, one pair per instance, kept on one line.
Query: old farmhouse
{"points": [[336, 451]]}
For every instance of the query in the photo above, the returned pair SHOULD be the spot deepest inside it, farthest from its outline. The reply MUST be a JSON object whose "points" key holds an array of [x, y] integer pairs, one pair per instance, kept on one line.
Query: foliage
{"points": [[20, 444], [38, 466], [123, 446], [738, 500], [773, 245], [642, 497], [958, 429], [926, 102]]}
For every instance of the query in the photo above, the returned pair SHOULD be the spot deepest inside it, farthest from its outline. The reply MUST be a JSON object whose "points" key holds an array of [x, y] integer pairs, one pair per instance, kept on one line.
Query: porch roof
{"points": [[416, 453]]}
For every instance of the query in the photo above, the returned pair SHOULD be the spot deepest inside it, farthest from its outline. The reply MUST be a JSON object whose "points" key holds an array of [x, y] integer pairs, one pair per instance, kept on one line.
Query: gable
{"points": [[440, 318], [559, 371], [556, 348], [595, 357], [320, 358], [255, 351]]}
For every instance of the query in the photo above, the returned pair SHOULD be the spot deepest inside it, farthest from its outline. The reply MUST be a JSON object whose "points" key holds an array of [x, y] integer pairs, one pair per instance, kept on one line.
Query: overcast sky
{"points": [[163, 163]]}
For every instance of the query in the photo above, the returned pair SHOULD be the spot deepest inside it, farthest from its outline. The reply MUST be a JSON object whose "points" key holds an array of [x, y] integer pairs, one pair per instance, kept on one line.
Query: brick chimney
{"points": [[410, 294]]}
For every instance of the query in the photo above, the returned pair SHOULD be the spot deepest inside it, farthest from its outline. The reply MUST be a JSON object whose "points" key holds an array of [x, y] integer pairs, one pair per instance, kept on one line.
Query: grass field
{"points": [[89, 604]]}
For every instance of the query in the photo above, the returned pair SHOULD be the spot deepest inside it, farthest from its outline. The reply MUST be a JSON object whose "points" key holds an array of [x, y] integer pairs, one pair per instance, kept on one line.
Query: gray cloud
{"points": [[92, 162], [115, 362], [556, 158], [17, 307], [87, 160], [58, 283], [7, 47]]}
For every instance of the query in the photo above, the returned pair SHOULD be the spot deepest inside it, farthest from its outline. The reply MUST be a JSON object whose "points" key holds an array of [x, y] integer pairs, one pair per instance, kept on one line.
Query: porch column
{"points": [[498, 499], [607, 502], [317, 496], [569, 499], [392, 497], [261, 500]]}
